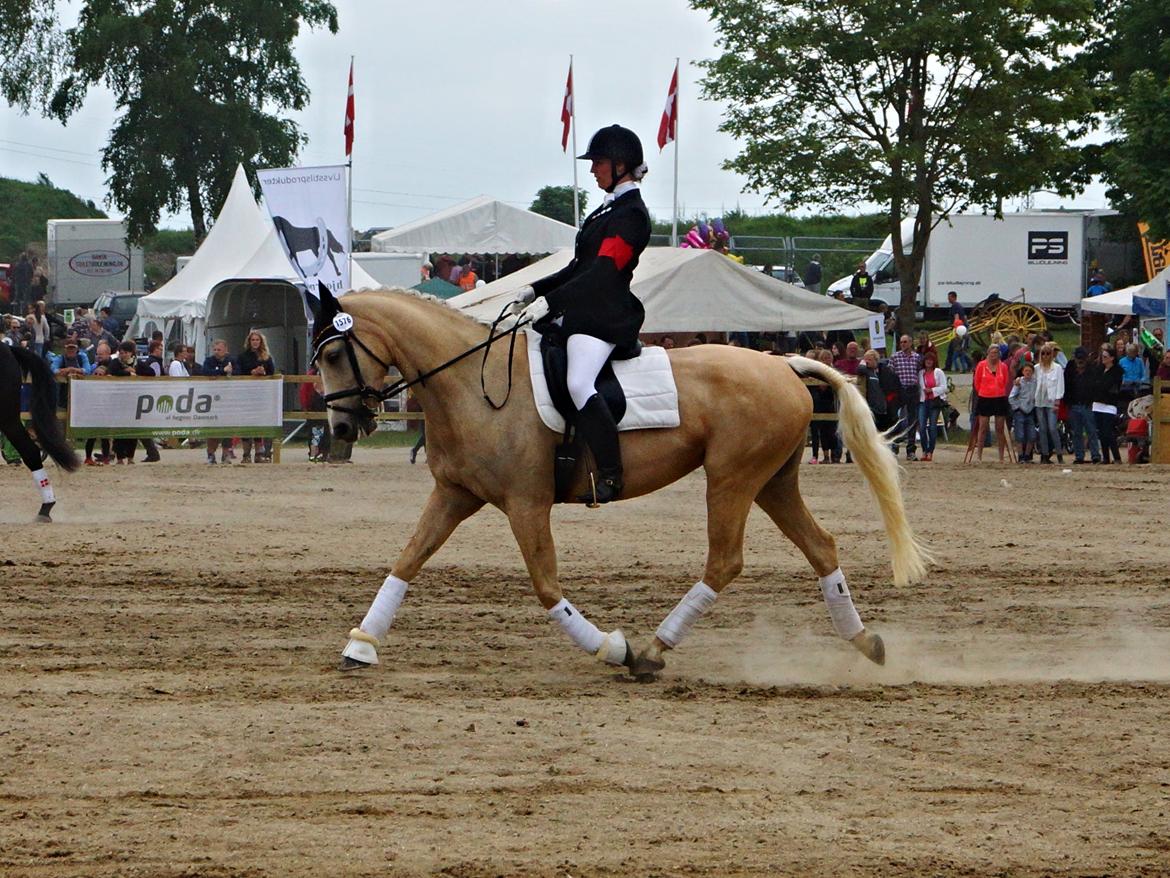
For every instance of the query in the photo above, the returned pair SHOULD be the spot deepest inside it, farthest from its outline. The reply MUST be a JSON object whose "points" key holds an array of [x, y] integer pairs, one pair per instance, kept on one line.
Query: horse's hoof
{"points": [[352, 664], [43, 516], [871, 646], [645, 667], [43, 519]]}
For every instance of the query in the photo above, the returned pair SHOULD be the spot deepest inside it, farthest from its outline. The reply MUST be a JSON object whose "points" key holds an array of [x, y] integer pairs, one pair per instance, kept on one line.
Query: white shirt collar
{"points": [[621, 189]]}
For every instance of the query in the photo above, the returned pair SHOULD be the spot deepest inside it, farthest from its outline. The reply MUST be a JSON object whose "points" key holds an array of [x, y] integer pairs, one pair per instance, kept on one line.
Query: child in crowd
{"points": [[1023, 402]]}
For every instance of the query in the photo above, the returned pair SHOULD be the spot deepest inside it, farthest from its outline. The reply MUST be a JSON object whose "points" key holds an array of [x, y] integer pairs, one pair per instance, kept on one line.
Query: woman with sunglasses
{"points": [[1049, 393]]}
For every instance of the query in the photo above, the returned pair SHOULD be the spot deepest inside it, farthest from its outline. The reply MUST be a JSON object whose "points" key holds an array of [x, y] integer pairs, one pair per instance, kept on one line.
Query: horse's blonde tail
{"points": [[879, 466]]}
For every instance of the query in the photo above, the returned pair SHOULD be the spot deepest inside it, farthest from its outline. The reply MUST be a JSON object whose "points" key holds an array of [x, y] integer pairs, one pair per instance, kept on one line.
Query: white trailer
{"points": [[1039, 257], [88, 257]]}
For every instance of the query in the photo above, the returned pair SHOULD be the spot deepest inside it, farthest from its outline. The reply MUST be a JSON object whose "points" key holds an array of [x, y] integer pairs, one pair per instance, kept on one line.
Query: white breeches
{"points": [[587, 355]]}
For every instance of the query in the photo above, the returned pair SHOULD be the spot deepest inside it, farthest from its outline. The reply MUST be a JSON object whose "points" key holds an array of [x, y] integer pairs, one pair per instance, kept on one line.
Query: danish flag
{"points": [[567, 110], [349, 115], [669, 124]]}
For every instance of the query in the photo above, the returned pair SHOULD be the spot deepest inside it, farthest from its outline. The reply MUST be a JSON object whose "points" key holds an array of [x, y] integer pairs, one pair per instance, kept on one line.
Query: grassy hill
{"points": [[26, 208]]}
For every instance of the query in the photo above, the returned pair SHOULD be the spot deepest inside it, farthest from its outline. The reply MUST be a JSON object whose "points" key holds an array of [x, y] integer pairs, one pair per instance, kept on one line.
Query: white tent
{"points": [[241, 244], [1113, 302], [481, 225], [687, 290]]}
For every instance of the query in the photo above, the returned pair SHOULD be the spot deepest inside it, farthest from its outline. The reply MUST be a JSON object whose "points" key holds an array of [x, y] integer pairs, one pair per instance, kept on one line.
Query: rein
{"points": [[367, 393]]}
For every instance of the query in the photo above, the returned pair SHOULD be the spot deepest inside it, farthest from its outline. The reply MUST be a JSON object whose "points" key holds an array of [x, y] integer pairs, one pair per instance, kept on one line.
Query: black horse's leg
{"points": [[30, 453]]}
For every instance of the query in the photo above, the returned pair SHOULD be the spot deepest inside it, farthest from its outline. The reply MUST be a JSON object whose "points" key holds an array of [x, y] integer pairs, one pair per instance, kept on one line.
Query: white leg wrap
{"points": [[580, 630], [41, 480], [694, 604], [381, 613], [841, 610]]}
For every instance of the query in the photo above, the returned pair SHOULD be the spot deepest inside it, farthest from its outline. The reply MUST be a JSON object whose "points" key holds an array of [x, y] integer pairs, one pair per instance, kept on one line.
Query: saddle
{"points": [[555, 358]]}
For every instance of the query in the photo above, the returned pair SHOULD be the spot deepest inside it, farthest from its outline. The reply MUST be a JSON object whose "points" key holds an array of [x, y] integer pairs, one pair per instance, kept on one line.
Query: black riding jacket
{"points": [[592, 293]]}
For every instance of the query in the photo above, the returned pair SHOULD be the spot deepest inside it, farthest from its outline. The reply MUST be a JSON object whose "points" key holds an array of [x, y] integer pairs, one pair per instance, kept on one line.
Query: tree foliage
{"points": [[925, 108], [556, 202], [196, 84], [1131, 60], [31, 50]]}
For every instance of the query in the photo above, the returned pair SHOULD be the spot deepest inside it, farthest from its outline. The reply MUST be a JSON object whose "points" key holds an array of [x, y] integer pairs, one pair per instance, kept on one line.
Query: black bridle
{"points": [[367, 394]]}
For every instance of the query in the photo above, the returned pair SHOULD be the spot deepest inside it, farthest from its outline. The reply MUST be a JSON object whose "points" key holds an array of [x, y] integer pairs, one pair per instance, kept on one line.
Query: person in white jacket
{"points": [[1049, 393], [932, 399]]}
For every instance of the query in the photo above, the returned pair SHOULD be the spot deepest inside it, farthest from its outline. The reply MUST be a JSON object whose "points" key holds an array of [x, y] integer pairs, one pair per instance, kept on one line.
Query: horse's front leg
{"points": [[447, 506], [530, 525]]}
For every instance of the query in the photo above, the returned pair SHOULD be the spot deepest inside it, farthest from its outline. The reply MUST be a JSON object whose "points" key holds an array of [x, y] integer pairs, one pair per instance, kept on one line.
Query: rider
{"points": [[591, 296]]}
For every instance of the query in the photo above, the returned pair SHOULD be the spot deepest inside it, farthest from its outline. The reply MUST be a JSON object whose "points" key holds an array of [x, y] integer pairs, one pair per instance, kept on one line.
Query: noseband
{"points": [[342, 329]]}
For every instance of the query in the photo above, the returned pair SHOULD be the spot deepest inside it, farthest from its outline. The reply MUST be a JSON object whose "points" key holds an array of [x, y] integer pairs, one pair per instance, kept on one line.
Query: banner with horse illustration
{"points": [[308, 208], [162, 407]]}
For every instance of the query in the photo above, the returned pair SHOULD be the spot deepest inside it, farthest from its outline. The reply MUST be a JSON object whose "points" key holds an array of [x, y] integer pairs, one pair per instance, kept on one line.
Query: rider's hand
{"points": [[535, 311], [524, 296]]}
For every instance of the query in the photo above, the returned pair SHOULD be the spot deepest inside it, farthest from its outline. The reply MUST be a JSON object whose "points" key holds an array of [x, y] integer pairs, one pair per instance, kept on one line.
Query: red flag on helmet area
{"points": [[669, 123], [349, 115], [567, 110]]}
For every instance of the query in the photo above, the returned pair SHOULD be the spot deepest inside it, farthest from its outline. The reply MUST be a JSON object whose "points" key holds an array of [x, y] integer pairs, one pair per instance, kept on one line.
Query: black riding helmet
{"points": [[617, 144]]}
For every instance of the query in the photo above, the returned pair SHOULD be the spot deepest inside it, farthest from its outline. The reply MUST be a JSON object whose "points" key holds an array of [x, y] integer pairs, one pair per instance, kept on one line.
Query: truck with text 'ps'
{"points": [[88, 257], [1041, 257]]}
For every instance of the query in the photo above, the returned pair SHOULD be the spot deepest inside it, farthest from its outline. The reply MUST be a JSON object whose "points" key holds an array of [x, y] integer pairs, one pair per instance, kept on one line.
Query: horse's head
{"points": [[351, 367]]}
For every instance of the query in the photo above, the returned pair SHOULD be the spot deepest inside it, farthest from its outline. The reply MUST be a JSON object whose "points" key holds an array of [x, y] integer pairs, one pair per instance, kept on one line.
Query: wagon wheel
{"points": [[1019, 319]]}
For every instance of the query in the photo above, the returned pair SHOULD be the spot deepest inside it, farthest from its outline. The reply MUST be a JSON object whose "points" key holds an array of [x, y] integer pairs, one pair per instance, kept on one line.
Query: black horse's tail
{"points": [[43, 409]]}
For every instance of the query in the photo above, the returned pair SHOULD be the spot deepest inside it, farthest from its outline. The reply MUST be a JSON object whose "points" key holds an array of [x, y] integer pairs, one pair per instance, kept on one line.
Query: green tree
{"points": [[1130, 60], [31, 50], [556, 202], [196, 83], [925, 108]]}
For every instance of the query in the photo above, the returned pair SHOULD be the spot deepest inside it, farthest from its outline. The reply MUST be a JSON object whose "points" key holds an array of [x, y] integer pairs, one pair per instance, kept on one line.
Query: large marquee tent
{"points": [[481, 225], [238, 279], [686, 290]]}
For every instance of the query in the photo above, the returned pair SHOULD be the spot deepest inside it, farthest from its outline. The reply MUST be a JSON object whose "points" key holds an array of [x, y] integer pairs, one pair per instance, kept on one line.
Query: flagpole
{"points": [[573, 129], [674, 221], [349, 193]]}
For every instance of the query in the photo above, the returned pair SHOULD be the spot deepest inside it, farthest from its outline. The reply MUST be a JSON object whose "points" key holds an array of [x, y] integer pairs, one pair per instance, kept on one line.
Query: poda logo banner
{"points": [[1047, 248], [175, 407], [308, 209]]}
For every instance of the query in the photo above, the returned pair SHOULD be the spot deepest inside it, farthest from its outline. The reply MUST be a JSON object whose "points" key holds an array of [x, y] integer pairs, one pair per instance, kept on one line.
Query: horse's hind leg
{"points": [[729, 501], [781, 499], [30, 453], [447, 506]]}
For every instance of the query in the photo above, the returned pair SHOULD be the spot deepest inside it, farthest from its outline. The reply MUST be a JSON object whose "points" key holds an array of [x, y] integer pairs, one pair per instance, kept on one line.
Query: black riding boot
{"points": [[596, 426]]}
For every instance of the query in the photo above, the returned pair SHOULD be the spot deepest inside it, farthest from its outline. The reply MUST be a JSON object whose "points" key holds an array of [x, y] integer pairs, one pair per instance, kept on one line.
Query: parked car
{"points": [[5, 283], [123, 307]]}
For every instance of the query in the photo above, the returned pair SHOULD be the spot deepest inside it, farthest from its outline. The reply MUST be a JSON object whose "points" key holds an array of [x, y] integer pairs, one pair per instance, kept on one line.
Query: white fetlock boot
{"points": [[615, 650], [361, 651]]}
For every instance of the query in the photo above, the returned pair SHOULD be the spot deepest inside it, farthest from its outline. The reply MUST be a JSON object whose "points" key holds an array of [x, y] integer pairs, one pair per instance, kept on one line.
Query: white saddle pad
{"points": [[647, 380]]}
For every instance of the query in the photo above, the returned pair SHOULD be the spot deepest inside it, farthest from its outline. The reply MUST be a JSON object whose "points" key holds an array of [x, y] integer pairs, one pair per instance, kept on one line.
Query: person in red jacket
{"points": [[592, 299], [992, 383]]}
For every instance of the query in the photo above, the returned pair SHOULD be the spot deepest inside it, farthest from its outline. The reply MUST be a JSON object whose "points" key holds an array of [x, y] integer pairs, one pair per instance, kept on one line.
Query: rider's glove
{"points": [[524, 296], [535, 311]]}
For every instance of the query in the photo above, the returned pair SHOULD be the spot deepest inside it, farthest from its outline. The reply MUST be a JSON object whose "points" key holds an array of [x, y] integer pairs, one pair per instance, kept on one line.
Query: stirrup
{"points": [[361, 650], [601, 490]]}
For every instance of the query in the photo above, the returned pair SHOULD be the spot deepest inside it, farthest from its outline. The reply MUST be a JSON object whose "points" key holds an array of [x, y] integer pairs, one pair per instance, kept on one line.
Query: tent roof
{"points": [[686, 290], [1113, 302], [481, 225], [436, 286], [241, 244]]}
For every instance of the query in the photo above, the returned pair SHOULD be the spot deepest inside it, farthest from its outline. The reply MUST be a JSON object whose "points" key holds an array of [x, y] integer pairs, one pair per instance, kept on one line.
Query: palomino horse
{"points": [[14, 364], [744, 419]]}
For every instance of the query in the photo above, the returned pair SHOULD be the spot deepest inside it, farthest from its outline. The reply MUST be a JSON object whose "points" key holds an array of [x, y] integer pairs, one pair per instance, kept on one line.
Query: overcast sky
{"points": [[458, 98]]}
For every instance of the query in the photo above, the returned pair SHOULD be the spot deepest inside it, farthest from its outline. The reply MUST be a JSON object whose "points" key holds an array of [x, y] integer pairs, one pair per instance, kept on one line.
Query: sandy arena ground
{"points": [[169, 704]]}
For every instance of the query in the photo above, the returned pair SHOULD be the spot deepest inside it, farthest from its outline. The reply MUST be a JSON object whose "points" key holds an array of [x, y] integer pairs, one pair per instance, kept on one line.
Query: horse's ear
{"points": [[327, 311]]}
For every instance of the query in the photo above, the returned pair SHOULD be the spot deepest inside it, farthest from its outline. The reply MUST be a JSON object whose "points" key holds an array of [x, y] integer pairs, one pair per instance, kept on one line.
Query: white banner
{"points": [[128, 407], [308, 208]]}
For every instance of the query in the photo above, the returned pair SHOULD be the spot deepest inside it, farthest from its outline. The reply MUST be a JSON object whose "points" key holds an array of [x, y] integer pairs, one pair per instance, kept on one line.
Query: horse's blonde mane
{"points": [[425, 300]]}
